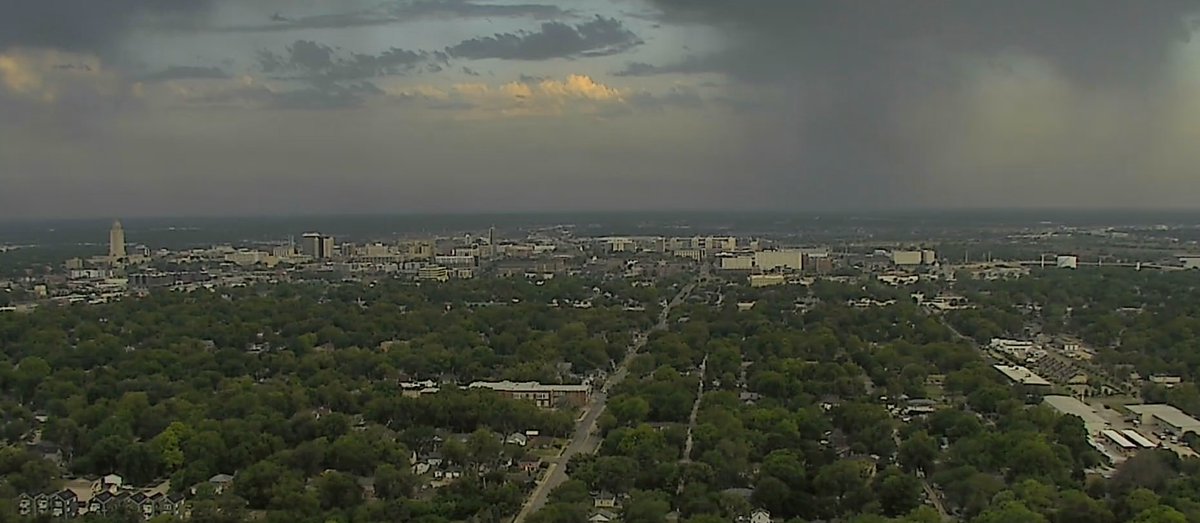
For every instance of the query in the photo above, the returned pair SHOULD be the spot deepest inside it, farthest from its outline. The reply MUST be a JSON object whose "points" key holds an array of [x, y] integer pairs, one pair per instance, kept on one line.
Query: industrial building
{"points": [[1069, 406], [1122, 444], [1166, 418], [1022, 376]]}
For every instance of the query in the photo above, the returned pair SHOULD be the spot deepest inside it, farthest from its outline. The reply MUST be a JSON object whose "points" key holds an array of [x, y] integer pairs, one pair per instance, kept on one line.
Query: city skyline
{"points": [[222, 107]]}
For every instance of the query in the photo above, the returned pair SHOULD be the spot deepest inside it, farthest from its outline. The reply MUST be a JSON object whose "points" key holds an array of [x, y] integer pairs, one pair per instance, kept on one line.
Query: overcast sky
{"points": [[250, 107]]}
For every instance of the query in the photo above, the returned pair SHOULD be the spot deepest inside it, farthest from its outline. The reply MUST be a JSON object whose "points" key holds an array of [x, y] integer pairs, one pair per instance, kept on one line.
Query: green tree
{"points": [[168, 445], [338, 490], [1160, 514], [918, 452], [256, 483], [559, 513], [393, 483], [1009, 512], [646, 507], [1076, 507], [571, 491], [483, 447], [899, 493]]}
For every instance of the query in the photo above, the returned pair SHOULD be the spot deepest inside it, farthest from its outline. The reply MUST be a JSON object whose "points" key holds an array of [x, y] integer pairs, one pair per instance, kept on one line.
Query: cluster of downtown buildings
{"points": [[540, 253], [133, 269]]}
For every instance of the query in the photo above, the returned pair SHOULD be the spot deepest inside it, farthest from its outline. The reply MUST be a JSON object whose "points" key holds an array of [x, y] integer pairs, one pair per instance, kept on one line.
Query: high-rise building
{"points": [[310, 244], [116, 241], [491, 250], [316, 246]]}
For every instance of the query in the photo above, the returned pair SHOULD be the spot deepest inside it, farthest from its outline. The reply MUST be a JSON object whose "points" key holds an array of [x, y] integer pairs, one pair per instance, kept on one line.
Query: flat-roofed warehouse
{"points": [[1124, 444], [1022, 375], [1092, 420], [1167, 418], [1137, 437]]}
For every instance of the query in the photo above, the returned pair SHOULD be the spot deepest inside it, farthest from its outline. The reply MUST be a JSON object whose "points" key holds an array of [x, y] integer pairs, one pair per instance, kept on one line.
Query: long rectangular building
{"points": [[1092, 421], [1022, 376], [545, 396], [1167, 418]]}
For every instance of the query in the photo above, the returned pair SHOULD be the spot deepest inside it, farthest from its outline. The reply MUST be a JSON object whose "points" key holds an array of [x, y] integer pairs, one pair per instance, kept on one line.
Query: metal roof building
{"points": [[1169, 418], [1073, 407]]}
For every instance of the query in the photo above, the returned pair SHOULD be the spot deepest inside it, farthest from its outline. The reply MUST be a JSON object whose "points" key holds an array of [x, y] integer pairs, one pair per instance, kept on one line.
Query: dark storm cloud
{"points": [[187, 72], [89, 25], [843, 71], [467, 8], [306, 59], [1094, 39], [397, 12], [597, 37]]}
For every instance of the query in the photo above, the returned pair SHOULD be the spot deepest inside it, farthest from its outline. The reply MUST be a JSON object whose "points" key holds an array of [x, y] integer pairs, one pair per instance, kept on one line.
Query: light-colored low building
{"points": [[1166, 381], [1119, 441], [1140, 439], [767, 280], [737, 263], [1067, 261], [906, 257], [1022, 376], [433, 273], [790, 259], [1066, 405], [545, 396], [1166, 418]]}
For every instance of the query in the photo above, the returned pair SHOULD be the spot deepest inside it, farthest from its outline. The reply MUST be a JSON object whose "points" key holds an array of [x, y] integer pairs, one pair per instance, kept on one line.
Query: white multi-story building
{"points": [[433, 273], [906, 257], [737, 263], [455, 260], [791, 259]]}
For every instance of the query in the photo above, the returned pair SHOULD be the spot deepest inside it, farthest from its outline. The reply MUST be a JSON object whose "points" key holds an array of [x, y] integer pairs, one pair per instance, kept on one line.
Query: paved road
{"points": [[585, 438], [930, 492], [687, 446]]}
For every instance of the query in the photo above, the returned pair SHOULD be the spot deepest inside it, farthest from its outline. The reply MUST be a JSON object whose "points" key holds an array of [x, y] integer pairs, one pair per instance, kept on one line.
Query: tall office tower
{"points": [[116, 241], [492, 242], [310, 245], [327, 246]]}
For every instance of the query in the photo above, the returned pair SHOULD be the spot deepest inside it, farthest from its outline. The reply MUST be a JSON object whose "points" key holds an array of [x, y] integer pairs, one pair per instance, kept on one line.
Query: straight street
{"points": [[585, 438]]}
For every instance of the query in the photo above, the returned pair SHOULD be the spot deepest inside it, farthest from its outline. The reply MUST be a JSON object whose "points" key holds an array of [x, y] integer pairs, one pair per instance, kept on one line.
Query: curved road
{"points": [[585, 438]]}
